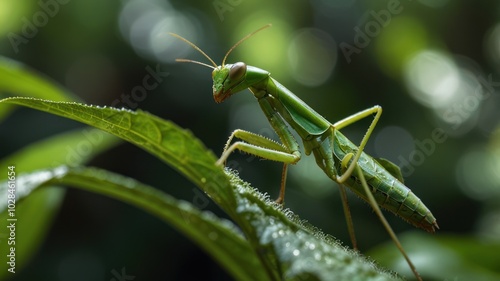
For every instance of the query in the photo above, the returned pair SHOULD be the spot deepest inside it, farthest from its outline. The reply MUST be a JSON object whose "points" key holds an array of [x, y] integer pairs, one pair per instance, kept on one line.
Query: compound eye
{"points": [[237, 71]]}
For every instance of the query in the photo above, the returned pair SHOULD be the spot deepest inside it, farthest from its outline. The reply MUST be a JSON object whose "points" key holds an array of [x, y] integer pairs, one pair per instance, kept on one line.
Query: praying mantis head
{"points": [[227, 79]]}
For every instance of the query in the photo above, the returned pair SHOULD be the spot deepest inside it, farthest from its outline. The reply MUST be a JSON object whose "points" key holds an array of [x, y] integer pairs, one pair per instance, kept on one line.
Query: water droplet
{"points": [[296, 252]]}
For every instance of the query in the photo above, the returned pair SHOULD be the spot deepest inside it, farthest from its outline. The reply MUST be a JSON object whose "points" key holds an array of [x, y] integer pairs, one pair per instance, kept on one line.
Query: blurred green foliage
{"points": [[429, 64]]}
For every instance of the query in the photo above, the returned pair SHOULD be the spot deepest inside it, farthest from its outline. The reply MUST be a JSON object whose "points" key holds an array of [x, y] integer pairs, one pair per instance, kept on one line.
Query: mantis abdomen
{"points": [[390, 193]]}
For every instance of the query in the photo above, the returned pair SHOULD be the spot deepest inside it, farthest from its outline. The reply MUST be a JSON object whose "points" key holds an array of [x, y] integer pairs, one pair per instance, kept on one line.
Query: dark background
{"points": [[431, 65]]}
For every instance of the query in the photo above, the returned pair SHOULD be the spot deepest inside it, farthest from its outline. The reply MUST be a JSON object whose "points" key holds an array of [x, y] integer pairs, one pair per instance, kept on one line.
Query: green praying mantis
{"points": [[377, 181]]}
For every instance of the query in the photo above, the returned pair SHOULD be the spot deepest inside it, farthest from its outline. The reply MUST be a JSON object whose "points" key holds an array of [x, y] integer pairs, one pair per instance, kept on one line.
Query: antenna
{"points": [[243, 39], [203, 53], [194, 61], [197, 49]]}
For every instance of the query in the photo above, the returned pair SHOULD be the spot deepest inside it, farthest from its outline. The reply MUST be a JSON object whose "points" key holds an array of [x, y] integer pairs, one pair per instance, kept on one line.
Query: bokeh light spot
{"points": [[477, 174], [453, 92], [146, 24], [10, 14], [433, 77], [312, 55], [492, 43], [267, 49]]}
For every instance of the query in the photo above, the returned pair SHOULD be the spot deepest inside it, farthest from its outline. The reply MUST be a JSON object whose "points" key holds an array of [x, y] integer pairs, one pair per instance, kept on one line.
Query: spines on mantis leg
{"points": [[388, 191]]}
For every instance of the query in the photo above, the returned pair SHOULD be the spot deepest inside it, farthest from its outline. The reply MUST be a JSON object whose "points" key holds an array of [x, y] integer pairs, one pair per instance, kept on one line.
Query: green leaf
{"points": [[217, 236], [300, 251], [19, 79], [163, 139], [39, 209]]}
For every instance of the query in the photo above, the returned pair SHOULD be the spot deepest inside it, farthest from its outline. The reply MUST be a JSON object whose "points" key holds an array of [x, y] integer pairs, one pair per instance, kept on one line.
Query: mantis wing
{"points": [[392, 168]]}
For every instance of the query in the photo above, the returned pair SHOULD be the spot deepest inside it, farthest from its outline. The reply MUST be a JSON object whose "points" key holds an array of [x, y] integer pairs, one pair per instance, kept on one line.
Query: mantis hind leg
{"points": [[377, 110], [387, 226], [340, 179], [353, 167]]}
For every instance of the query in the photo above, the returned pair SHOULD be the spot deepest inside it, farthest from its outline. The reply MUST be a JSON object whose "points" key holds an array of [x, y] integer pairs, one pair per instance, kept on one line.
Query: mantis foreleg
{"points": [[347, 213], [256, 145], [287, 153]]}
